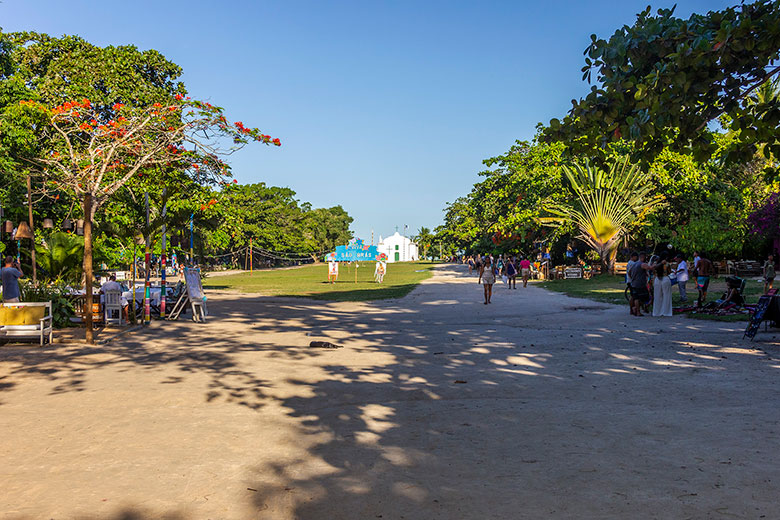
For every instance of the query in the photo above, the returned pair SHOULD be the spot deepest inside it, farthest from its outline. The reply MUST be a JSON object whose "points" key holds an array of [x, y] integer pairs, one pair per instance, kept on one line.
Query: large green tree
{"points": [[662, 81]]}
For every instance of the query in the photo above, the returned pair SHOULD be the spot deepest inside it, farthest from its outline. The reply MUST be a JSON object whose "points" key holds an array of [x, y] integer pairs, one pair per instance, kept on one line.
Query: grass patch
{"points": [[610, 289], [310, 281]]}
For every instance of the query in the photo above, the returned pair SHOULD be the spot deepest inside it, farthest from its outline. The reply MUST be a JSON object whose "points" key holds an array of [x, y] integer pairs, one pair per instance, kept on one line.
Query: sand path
{"points": [[435, 407]]}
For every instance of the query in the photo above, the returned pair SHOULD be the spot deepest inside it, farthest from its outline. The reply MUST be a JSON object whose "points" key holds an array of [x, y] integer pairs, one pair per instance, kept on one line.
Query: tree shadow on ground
{"points": [[494, 412]]}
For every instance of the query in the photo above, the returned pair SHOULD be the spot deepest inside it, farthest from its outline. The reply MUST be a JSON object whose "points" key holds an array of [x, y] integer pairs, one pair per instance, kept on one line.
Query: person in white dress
{"points": [[662, 290]]}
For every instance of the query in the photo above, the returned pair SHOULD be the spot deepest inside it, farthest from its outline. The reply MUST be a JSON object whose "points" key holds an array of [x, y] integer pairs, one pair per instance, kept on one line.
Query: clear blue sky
{"points": [[387, 108]]}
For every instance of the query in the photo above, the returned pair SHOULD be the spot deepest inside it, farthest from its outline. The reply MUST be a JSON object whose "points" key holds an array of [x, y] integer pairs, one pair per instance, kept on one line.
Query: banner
{"points": [[355, 251]]}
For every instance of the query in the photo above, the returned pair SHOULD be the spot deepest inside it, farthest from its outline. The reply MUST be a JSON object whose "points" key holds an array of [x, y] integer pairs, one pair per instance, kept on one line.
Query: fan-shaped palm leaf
{"points": [[604, 204], [61, 256]]}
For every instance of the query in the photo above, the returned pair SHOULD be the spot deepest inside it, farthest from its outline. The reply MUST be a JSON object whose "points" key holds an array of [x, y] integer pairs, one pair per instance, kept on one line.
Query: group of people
{"points": [[507, 267], [658, 275]]}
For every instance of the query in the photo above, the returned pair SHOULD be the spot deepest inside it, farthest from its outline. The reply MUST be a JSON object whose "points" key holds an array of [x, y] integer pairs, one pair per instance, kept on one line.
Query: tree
{"points": [[91, 152], [424, 239], [604, 205], [60, 257], [660, 82], [501, 211]]}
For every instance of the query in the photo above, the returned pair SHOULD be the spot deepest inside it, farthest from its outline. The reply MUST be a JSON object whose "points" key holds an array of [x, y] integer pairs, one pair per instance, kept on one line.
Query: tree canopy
{"points": [[662, 82]]}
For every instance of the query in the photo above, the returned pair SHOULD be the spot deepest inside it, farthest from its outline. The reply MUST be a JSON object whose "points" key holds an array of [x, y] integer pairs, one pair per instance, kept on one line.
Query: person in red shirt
{"points": [[525, 270]]}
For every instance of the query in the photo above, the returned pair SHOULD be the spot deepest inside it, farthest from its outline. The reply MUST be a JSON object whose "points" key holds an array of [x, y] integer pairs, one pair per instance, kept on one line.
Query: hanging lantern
{"points": [[48, 223], [79, 227], [67, 224], [23, 231], [8, 227]]}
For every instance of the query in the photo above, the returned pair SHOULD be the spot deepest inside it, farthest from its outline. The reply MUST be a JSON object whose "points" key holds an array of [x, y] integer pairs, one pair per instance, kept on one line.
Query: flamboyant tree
{"points": [[93, 152]]}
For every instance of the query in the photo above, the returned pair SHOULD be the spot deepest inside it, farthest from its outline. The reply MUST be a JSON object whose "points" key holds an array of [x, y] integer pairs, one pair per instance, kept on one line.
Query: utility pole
{"points": [[251, 257]]}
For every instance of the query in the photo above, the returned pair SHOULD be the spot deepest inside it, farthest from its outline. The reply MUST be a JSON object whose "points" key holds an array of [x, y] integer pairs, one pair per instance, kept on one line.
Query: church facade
{"points": [[398, 248]]}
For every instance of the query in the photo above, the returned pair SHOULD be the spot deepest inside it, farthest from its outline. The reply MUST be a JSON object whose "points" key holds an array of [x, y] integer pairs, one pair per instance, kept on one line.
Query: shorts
{"points": [[641, 294], [702, 283], [526, 272]]}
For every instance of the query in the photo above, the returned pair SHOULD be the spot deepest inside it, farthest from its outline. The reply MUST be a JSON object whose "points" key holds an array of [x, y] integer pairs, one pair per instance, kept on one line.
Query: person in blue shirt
{"points": [[11, 272]]}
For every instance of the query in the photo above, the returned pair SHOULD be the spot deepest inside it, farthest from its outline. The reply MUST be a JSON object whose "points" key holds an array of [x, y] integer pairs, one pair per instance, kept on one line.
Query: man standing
{"points": [[639, 293], [11, 273], [634, 258], [703, 273], [682, 276]]}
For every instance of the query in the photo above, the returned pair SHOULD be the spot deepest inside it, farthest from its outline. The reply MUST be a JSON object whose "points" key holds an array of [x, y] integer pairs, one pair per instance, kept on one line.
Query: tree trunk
{"points": [[32, 229], [89, 335]]}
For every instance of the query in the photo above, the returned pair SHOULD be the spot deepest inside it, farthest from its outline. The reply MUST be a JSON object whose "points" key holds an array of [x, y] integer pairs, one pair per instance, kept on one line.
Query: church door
{"points": [[397, 256]]}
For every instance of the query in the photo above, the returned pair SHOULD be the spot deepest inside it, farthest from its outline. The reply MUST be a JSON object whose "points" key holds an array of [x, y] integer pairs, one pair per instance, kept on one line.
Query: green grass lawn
{"points": [[310, 281], [611, 289]]}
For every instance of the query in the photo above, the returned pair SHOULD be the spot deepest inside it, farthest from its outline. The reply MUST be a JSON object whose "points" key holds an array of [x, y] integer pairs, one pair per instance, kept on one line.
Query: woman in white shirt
{"points": [[682, 276]]}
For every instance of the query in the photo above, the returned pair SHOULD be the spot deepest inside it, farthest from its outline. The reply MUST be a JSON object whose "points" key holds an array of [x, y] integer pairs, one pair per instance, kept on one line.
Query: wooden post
{"points": [[163, 258], [132, 287], [89, 333], [251, 257], [147, 266], [32, 229]]}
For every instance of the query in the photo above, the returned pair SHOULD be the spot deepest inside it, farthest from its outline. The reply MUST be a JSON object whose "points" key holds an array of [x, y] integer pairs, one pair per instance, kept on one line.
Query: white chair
{"points": [[112, 306]]}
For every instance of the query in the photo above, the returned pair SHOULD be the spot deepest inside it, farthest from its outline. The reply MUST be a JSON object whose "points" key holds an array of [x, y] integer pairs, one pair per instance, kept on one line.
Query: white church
{"points": [[398, 248]]}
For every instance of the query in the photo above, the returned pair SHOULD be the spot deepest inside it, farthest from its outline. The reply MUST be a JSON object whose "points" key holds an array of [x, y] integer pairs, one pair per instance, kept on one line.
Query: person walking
{"points": [[662, 290], [682, 276], [471, 265], [487, 277], [769, 273], [703, 273], [511, 272], [10, 273], [525, 270]]}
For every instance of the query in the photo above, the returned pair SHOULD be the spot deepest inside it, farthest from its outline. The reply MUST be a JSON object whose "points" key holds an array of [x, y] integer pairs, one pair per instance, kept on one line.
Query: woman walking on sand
{"points": [[525, 270], [487, 277]]}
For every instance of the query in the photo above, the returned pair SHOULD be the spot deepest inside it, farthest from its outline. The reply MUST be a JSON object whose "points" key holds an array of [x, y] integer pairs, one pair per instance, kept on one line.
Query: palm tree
{"points": [[60, 256], [604, 205], [423, 239]]}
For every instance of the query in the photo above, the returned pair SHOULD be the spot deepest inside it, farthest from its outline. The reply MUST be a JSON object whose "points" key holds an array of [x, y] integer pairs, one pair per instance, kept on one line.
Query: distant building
{"points": [[398, 248]]}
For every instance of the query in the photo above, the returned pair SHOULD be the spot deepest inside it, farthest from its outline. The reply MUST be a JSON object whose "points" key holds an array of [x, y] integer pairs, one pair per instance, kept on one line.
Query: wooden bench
{"points": [[26, 320], [748, 268], [620, 268]]}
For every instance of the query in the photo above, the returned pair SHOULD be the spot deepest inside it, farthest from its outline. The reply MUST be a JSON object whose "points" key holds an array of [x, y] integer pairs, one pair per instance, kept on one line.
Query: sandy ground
{"points": [[435, 407]]}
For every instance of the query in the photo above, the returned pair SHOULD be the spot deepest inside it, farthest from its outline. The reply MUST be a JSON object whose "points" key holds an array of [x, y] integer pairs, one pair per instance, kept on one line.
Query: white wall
{"points": [[407, 250]]}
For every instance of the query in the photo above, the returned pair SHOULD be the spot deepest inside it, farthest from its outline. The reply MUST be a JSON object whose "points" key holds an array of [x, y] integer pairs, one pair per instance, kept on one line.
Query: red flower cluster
{"points": [[70, 106]]}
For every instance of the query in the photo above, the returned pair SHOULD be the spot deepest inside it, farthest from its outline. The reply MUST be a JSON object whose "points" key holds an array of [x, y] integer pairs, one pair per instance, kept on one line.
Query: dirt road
{"points": [[435, 407]]}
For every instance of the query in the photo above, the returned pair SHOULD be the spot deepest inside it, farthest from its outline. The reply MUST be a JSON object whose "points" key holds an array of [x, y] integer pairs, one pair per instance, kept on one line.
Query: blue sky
{"points": [[387, 108]]}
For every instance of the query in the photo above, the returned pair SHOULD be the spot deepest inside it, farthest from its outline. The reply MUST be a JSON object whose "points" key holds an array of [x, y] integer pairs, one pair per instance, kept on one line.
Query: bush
{"points": [[57, 293]]}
